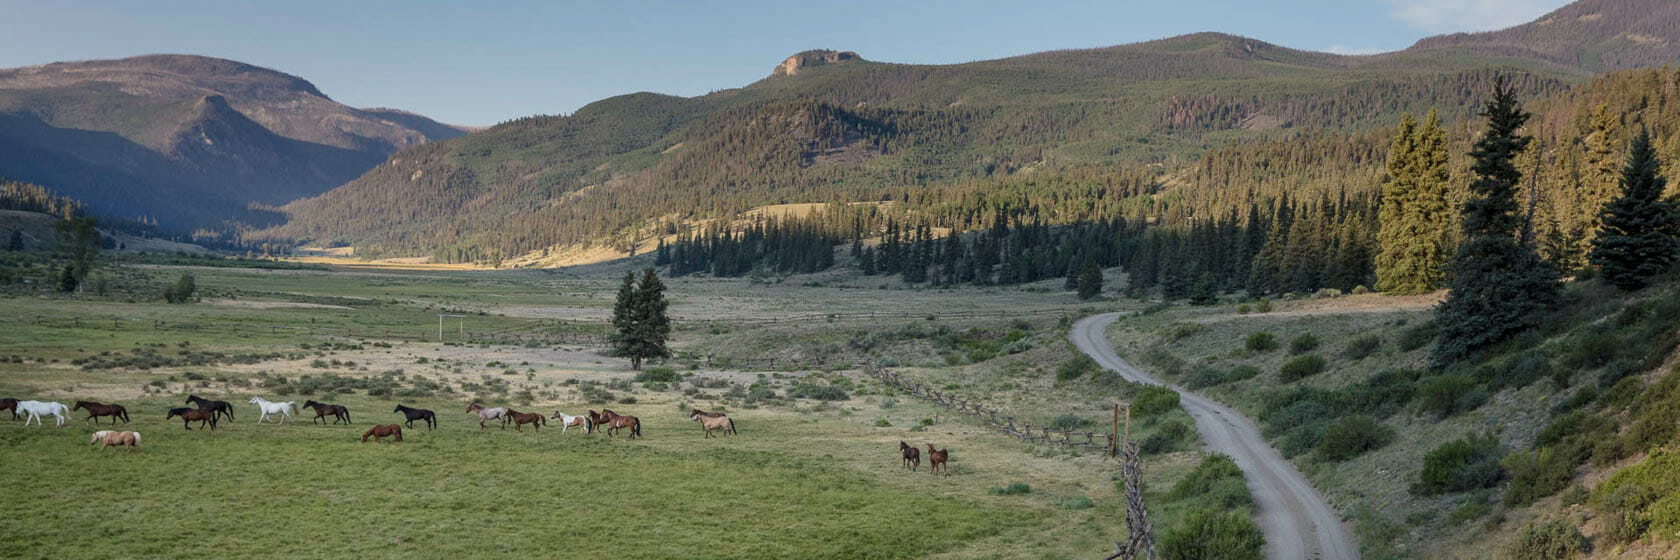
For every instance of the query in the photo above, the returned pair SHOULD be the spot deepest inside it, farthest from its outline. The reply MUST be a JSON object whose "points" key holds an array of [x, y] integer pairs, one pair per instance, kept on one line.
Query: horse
{"points": [[712, 421], [222, 407], [938, 458], [382, 431], [284, 409], [613, 421], [35, 409], [488, 414], [518, 418], [10, 404], [189, 415], [912, 456], [417, 414], [338, 412], [569, 421], [95, 410], [107, 438]]}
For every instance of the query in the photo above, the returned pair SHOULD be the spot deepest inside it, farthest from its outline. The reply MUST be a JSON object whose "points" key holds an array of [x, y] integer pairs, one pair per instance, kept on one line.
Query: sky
{"points": [[480, 63]]}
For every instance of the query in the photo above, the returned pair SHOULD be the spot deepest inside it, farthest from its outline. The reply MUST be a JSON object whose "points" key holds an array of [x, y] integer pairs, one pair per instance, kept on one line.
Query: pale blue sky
{"points": [[480, 62]]}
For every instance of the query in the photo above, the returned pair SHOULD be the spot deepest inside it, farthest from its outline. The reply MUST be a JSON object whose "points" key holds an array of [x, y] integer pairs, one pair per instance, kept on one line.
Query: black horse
{"points": [[417, 414], [219, 407], [323, 410]]}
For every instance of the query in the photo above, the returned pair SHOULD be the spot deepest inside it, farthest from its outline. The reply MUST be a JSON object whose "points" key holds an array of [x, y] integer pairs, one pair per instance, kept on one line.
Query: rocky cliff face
{"points": [[795, 64]]}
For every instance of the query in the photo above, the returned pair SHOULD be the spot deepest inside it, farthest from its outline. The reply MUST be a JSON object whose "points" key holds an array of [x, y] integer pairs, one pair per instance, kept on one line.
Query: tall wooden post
{"points": [[1114, 442]]}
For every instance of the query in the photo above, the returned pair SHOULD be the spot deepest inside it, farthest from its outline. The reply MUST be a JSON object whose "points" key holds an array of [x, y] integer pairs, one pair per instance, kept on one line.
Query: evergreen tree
{"points": [[1637, 239], [67, 279], [639, 315], [1090, 278], [662, 256], [1498, 285], [1205, 291], [867, 261], [80, 242], [16, 243], [1414, 210]]}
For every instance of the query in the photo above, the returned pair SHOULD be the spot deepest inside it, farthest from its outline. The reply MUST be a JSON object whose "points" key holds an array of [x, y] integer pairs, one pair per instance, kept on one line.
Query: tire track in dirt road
{"points": [[1295, 519]]}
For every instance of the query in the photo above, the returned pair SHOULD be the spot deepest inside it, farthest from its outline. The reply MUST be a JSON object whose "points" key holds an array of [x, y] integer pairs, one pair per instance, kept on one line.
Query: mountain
{"points": [[1595, 35], [189, 140], [834, 126]]}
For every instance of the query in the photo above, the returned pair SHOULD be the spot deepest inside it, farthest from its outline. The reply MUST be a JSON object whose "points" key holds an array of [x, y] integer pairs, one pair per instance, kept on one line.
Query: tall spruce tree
{"points": [[639, 316], [1637, 236], [1090, 278], [1413, 218], [1498, 285]]}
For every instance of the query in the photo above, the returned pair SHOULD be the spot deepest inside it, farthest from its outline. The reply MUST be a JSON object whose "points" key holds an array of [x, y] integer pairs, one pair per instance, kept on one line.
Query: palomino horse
{"points": [[338, 412], [938, 458], [9, 403], [712, 421], [613, 421], [912, 456], [189, 415], [35, 409], [518, 418], [382, 431], [284, 409], [484, 414], [569, 421], [95, 410], [417, 414], [107, 438], [221, 407]]}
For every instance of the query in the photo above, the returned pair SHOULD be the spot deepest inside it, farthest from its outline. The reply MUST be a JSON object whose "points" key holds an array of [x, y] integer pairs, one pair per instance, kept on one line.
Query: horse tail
{"points": [[732, 426], [637, 428], [137, 439]]}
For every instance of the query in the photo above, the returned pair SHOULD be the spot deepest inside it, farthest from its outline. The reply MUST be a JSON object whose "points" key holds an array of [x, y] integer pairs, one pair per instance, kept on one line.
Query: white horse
{"points": [[567, 421], [284, 409], [37, 408]]}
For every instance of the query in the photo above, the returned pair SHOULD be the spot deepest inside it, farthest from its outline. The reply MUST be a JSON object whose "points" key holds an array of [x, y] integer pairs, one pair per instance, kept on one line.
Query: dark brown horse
{"points": [[938, 458], [189, 415], [222, 407], [322, 410], [612, 421], [95, 410], [535, 419], [10, 404], [912, 456], [382, 431]]}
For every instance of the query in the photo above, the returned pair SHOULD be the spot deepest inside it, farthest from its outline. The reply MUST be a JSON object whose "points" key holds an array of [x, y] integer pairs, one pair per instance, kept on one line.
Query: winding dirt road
{"points": [[1297, 522]]}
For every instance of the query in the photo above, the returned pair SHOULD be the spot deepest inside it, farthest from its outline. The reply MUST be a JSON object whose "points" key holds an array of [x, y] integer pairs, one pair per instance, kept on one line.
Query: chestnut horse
{"points": [[95, 410], [613, 421], [535, 419], [10, 404], [938, 458], [338, 412], [712, 421], [107, 438], [912, 456], [222, 407], [200, 415], [382, 431]]}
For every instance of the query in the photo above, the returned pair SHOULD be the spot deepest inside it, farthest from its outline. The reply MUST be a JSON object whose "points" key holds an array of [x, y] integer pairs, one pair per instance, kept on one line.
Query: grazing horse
{"points": [[189, 415], [613, 421], [109, 438], [938, 458], [382, 431], [95, 410], [518, 418], [35, 409], [912, 456], [484, 414], [221, 407], [712, 421], [338, 412], [284, 409], [569, 421], [417, 414], [10, 404]]}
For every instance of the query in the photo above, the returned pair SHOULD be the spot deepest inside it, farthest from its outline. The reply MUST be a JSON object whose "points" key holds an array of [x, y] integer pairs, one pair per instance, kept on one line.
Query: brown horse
{"points": [[938, 458], [10, 404], [710, 421], [612, 421], [382, 431], [95, 410], [535, 419], [912, 456], [338, 412], [188, 415], [107, 438]]}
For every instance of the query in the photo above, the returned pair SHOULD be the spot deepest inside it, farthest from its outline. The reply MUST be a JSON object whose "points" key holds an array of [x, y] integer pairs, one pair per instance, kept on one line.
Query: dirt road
{"points": [[1297, 522]]}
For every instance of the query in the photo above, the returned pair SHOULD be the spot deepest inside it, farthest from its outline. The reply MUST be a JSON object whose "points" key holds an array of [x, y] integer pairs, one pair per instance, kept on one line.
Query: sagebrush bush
{"points": [[1352, 436], [1362, 347], [1207, 533], [1215, 482], [1463, 464], [814, 391], [657, 375], [1447, 395], [1552, 539], [1302, 344], [1417, 336], [1075, 367], [1168, 438], [1013, 489], [1203, 376], [1301, 367], [1261, 341], [1151, 400], [1536, 474], [1241, 373]]}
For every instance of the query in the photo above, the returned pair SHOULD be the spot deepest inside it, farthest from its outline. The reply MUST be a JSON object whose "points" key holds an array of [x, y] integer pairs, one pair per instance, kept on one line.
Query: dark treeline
{"points": [[780, 245], [35, 198]]}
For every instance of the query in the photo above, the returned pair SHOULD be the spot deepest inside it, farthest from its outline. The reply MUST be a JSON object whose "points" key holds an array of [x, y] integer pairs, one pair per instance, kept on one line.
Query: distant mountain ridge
{"points": [[189, 140], [1593, 35]]}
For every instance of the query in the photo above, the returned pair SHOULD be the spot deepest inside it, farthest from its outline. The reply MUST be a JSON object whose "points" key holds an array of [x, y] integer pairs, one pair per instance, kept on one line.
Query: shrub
{"points": [[815, 391], [1352, 436], [1068, 422], [1446, 395], [1553, 539], [1536, 474], [1013, 489], [1075, 367], [1077, 502], [1215, 482], [1151, 400], [1263, 306], [1203, 375], [1240, 373], [1261, 341], [1206, 533], [1303, 344], [1301, 367], [1166, 439], [1593, 351], [658, 375], [1467, 463], [882, 423], [1417, 337], [1362, 347]]}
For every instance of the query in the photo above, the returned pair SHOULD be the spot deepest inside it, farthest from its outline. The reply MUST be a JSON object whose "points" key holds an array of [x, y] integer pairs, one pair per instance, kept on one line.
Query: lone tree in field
{"points": [[1411, 257], [639, 316], [1637, 237], [1498, 285], [1090, 278], [80, 243]]}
